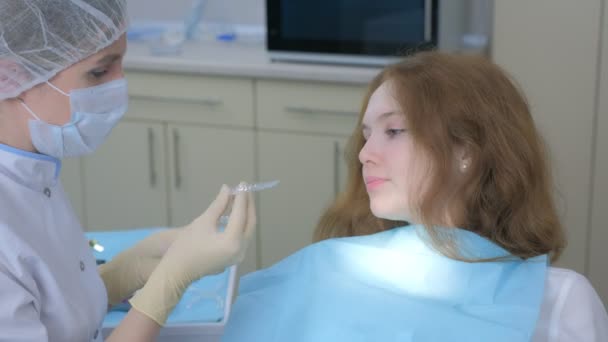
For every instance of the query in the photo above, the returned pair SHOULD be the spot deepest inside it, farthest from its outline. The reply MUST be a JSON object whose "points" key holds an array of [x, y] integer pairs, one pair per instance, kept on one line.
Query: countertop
{"points": [[234, 59]]}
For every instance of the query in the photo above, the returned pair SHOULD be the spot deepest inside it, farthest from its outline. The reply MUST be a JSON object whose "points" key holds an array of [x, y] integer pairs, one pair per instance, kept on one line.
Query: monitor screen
{"points": [[379, 27]]}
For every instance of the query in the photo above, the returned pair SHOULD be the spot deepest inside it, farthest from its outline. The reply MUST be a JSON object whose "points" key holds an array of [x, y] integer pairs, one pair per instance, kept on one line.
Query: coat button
{"points": [[82, 266], [47, 192]]}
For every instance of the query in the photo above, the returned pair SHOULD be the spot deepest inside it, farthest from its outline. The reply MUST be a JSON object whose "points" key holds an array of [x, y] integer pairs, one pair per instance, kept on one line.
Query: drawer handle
{"points": [[208, 102], [151, 158], [176, 160], [336, 168], [319, 111]]}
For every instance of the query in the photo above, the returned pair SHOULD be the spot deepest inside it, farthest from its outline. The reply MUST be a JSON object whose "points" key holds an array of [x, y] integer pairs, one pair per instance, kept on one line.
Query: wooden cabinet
{"points": [[201, 159], [184, 136], [313, 107], [125, 181], [311, 172]]}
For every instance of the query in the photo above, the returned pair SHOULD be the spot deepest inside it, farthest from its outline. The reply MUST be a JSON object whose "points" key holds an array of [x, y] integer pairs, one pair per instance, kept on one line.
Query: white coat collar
{"points": [[33, 170]]}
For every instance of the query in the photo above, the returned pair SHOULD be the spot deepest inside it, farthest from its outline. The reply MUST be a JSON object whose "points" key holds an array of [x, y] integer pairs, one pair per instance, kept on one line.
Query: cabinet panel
{"points": [[201, 160], [305, 165], [125, 180], [341, 145], [309, 107], [184, 98]]}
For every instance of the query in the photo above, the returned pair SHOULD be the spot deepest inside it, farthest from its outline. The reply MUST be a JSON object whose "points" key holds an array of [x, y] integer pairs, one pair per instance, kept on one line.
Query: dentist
{"points": [[62, 90]]}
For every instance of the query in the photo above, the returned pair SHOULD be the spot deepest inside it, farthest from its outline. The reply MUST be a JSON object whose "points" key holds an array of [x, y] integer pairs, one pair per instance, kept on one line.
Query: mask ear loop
{"points": [[59, 90], [29, 110]]}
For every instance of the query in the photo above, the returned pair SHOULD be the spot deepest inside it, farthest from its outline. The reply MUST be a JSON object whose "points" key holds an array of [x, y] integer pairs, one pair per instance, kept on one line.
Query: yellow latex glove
{"points": [[128, 271], [199, 250]]}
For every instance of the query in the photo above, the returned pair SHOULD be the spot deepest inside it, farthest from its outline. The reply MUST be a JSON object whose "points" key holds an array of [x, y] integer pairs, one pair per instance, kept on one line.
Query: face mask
{"points": [[94, 112]]}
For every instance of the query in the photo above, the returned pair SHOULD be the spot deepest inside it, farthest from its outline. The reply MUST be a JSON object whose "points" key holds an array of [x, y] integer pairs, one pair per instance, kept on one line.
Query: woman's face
{"points": [[393, 170], [53, 107]]}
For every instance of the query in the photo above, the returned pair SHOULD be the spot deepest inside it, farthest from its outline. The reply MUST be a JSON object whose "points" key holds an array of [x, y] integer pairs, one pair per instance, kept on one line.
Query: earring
{"points": [[463, 167]]}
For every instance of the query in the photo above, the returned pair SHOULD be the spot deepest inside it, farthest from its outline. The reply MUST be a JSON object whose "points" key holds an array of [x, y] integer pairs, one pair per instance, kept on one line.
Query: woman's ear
{"points": [[464, 158]]}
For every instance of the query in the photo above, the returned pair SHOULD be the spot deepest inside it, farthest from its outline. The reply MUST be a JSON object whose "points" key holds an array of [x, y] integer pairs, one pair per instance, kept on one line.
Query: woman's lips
{"points": [[374, 182]]}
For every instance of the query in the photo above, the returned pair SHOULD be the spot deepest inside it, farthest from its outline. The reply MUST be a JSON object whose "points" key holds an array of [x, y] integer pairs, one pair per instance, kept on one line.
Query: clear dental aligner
{"points": [[253, 187], [248, 188]]}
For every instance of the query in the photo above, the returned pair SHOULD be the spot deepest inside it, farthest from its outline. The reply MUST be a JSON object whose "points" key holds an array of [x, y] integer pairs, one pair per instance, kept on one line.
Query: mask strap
{"points": [[54, 87], [29, 110]]}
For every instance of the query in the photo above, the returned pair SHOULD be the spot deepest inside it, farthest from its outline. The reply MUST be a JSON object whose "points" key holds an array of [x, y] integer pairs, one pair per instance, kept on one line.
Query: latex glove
{"points": [[129, 271], [200, 249]]}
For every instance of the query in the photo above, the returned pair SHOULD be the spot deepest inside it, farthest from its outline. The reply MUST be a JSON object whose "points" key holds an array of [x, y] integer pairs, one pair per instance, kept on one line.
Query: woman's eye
{"points": [[98, 73], [391, 132]]}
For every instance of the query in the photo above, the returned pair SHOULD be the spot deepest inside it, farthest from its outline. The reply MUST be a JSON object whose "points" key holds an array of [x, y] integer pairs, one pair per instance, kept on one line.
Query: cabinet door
{"points": [[308, 168], [340, 163], [201, 160], [71, 178], [125, 181]]}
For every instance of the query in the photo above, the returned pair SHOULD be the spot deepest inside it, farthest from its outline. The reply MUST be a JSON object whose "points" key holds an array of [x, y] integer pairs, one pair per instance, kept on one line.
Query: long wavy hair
{"points": [[452, 102]]}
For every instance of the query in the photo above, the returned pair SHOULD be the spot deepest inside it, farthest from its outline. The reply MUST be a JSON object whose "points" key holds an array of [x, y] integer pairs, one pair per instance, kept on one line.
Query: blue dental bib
{"points": [[391, 286]]}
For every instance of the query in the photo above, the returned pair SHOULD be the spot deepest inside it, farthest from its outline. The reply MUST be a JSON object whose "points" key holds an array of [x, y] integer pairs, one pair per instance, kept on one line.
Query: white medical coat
{"points": [[49, 286]]}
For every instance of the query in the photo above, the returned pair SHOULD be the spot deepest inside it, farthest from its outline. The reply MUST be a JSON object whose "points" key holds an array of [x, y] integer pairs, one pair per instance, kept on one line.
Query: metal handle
{"points": [[209, 101], [176, 159], [428, 17], [151, 157], [336, 168], [319, 111]]}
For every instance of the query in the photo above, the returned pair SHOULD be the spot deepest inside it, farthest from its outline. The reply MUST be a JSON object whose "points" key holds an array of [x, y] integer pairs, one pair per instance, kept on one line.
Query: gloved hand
{"points": [[128, 271], [200, 249]]}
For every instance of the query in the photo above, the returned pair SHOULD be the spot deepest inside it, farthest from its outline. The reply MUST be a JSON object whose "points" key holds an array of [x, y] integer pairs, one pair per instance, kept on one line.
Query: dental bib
{"points": [[391, 286]]}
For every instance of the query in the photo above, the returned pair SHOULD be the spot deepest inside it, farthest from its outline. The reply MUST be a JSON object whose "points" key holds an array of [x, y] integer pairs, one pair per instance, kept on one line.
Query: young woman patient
{"points": [[444, 232]]}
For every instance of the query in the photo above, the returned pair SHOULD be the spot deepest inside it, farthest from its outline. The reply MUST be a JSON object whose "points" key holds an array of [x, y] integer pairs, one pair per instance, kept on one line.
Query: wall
{"points": [[551, 48], [598, 272], [248, 12], [455, 15]]}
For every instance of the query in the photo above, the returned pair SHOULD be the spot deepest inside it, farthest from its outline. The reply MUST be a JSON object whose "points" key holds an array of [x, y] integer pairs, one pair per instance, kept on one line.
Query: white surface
{"points": [[571, 310], [239, 60], [252, 12]]}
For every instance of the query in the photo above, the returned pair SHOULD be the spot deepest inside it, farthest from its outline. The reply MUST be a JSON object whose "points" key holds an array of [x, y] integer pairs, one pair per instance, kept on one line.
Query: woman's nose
{"points": [[366, 154]]}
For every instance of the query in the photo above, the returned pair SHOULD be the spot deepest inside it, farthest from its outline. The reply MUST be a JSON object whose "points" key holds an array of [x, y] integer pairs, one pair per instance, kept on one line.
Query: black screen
{"points": [[380, 27]]}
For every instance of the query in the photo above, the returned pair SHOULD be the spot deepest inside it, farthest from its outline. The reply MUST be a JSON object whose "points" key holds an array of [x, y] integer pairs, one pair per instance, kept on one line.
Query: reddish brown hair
{"points": [[459, 101]]}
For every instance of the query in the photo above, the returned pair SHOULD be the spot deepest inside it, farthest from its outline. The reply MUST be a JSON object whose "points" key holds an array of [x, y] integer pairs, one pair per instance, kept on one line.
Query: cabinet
{"points": [[125, 180], [184, 136], [302, 132], [201, 160], [165, 162], [311, 171]]}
